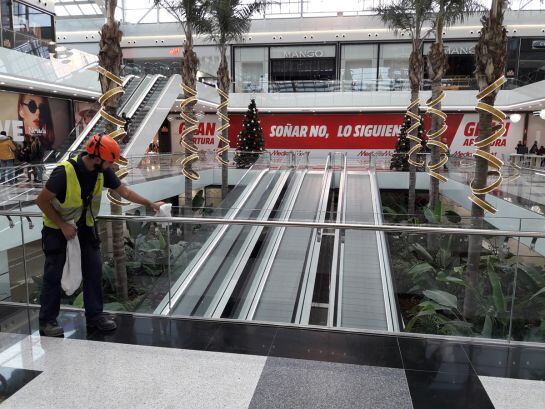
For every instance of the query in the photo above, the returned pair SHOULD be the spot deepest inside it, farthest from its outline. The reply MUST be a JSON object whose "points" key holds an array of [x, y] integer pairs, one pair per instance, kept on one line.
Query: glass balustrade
{"points": [[267, 252], [366, 85], [419, 281]]}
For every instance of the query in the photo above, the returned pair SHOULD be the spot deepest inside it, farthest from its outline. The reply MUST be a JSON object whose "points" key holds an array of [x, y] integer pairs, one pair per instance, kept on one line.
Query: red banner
{"points": [[333, 131]]}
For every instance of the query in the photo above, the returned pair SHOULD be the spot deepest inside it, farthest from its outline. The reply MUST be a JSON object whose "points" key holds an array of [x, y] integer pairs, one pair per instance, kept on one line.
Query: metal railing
{"points": [[364, 85]]}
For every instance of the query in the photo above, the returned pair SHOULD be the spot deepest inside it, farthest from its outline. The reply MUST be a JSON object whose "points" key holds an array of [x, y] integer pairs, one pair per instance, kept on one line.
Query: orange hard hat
{"points": [[103, 146]]}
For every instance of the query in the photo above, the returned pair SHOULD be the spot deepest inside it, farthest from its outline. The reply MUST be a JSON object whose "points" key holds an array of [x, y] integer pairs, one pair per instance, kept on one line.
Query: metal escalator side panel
{"points": [[311, 262], [184, 280], [272, 243], [386, 273], [140, 94], [141, 137], [337, 250], [226, 289]]}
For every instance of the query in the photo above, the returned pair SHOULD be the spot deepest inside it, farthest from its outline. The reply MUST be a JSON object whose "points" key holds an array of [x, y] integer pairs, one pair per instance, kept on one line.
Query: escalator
{"points": [[276, 284], [130, 85], [206, 280], [140, 103], [364, 295]]}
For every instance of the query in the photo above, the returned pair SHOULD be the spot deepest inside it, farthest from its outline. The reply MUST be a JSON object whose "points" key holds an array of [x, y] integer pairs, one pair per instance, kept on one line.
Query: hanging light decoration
{"points": [[498, 131], [191, 125], [115, 120], [416, 148], [225, 125], [434, 138]]}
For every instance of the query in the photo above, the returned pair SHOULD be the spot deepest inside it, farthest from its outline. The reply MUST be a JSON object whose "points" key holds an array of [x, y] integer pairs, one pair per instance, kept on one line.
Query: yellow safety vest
{"points": [[72, 207]]}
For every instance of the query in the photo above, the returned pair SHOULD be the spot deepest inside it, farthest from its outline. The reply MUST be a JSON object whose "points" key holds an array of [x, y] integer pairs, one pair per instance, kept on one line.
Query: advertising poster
{"points": [[204, 138], [362, 134], [33, 115], [84, 113], [357, 134]]}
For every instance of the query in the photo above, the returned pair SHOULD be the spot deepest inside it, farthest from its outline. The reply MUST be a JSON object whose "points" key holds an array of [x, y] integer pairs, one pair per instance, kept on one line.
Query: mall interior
{"points": [[354, 203]]}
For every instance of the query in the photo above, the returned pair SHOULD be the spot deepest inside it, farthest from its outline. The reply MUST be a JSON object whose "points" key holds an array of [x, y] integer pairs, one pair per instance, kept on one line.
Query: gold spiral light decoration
{"points": [[497, 132], [416, 148], [191, 125], [434, 138], [225, 125], [117, 121]]}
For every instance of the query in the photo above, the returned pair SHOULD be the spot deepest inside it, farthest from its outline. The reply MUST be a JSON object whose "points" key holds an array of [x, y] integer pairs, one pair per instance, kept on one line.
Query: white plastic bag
{"points": [[71, 274], [164, 211]]}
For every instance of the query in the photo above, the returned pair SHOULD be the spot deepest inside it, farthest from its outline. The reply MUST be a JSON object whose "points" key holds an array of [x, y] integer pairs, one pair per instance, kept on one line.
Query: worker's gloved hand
{"points": [[69, 231], [156, 206]]}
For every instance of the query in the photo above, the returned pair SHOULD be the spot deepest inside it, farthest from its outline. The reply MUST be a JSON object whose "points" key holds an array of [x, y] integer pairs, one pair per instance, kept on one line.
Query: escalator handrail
{"points": [[385, 270], [338, 250]]}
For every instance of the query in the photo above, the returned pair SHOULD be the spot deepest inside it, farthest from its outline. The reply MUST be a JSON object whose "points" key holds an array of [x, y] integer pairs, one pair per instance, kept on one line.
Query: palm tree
{"points": [[191, 15], [110, 57], [229, 21], [409, 16], [446, 13], [490, 59]]}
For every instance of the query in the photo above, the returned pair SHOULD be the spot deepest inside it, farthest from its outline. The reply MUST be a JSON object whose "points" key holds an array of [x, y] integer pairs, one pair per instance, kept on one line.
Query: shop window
{"points": [[251, 69], [29, 22], [393, 70], [532, 60], [359, 67], [460, 70]]}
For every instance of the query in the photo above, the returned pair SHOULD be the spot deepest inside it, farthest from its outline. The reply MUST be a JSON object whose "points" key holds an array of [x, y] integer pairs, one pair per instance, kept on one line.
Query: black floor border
{"points": [[321, 344]]}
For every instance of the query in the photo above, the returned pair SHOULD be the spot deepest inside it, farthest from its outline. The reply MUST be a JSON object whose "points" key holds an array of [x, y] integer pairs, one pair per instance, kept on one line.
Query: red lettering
{"points": [[471, 129], [210, 128]]}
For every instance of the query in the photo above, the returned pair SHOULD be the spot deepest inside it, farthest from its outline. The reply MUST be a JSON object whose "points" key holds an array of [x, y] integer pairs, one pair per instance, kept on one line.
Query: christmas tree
{"points": [[250, 140], [403, 145], [400, 158]]}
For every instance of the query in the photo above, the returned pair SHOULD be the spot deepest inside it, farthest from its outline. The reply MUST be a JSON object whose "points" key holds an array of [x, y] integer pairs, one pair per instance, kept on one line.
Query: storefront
{"points": [[22, 23], [370, 66]]}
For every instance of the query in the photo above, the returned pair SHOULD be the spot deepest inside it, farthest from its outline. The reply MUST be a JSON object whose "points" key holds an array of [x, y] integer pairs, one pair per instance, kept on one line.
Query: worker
{"points": [[72, 195]]}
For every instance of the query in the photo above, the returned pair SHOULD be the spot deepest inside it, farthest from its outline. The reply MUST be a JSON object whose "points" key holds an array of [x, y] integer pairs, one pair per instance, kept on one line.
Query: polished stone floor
{"points": [[185, 363]]}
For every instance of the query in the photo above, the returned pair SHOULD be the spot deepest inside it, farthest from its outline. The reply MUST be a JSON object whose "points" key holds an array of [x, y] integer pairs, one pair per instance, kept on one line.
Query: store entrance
{"points": [[302, 74]]}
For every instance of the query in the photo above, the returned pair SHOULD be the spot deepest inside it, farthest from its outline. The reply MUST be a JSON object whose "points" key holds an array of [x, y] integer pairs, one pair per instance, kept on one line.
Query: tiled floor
{"points": [[161, 362]]}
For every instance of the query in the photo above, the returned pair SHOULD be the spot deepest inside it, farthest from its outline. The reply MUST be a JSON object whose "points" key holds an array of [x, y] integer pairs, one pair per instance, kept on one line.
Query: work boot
{"points": [[102, 322], [51, 329]]}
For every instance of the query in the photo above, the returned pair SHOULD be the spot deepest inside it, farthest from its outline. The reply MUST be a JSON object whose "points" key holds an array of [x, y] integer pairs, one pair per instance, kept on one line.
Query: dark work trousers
{"points": [[54, 246]]}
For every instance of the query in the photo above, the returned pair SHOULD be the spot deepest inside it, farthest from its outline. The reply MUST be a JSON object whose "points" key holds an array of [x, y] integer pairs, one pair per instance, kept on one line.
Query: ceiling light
{"points": [[515, 118], [542, 114]]}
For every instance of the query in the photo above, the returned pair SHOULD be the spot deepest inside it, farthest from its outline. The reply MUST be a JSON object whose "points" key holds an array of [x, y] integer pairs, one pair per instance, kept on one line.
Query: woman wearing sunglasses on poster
{"points": [[36, 116]]}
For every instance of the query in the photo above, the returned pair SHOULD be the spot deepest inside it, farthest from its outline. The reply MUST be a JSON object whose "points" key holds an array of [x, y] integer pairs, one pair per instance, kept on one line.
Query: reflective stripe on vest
{"points": [[72, 207]]}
